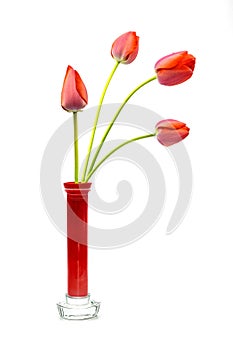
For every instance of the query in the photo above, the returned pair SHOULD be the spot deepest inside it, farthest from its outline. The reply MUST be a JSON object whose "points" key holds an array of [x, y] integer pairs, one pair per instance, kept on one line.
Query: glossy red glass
{"points": [[77, 238]]}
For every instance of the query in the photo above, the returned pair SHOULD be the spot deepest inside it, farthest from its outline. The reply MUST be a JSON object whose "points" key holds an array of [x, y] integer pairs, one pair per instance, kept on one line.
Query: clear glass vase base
{"points": [[78, 308]]}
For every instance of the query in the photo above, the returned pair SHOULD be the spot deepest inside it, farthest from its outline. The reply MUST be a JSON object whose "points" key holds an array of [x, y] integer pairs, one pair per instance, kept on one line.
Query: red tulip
{"points": [[74, 94], [170, 131], [176, 68], [125, 48]]}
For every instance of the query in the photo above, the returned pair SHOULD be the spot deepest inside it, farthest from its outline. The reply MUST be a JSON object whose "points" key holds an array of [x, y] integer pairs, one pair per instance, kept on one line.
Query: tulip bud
{"points": [[125, 48], [170, 131], [176, 68], [74, 94]]}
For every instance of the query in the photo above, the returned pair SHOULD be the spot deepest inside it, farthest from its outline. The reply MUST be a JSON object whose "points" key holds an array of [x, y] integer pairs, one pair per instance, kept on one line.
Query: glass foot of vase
{"points": [[78, 308]]}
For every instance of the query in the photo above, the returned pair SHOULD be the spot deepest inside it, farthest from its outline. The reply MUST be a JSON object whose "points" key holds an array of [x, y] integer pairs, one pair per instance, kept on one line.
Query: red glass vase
{"points": [[78, 304]]}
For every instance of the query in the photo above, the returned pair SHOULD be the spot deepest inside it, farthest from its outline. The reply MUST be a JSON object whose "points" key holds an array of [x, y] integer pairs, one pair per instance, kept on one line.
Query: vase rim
{"points": [[77, 186]]}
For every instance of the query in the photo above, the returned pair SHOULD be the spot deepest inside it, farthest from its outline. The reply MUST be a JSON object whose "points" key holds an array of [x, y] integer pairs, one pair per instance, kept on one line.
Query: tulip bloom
{"points": [[125, 48], [170, 131], [74, 94], [176, 68]]}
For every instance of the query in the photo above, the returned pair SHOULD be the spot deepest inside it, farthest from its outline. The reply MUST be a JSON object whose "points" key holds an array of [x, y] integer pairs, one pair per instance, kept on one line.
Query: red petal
{"points": [[80, 87], [189, 61], [175, 76], [170, 124], [168, 137], [170, 61]]}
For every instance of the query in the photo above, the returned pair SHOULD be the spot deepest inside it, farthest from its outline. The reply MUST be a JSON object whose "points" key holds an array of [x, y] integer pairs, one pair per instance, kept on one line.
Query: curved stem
{"points": [[114, 150], [97, 118], [76, 165], [115, 117]]}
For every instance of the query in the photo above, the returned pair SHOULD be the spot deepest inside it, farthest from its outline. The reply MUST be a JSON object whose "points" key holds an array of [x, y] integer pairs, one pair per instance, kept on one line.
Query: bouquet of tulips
{"points": [[170, 70]]}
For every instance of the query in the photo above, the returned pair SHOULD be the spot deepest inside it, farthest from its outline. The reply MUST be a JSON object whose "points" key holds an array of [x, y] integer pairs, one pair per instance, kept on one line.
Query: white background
{"points": [[162, 292]]}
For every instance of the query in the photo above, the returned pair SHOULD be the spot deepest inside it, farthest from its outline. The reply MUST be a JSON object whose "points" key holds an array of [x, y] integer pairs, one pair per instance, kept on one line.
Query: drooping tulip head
{"points": [[176, 68], [125, 48], [170, 131], [74, 94]]}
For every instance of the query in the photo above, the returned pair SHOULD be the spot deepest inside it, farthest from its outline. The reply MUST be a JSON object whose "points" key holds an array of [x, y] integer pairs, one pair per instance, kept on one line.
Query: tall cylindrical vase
{"points": [[78, 304]]}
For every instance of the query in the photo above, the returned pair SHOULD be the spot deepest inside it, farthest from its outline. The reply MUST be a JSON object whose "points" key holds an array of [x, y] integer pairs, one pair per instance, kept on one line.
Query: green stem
{"points": [[114, 150], [76, 165], [97, 118], [115, 117]]}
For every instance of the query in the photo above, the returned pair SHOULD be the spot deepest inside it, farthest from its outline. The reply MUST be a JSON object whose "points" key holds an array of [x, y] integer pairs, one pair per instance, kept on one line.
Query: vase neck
{"points": [[78, 189]]}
